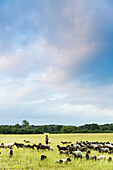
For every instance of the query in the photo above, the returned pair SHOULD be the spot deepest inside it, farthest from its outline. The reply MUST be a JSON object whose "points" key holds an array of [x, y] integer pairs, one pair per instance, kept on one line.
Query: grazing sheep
{"points": [[19, 145], [102, 157], [66, 142], [8, 145], [43, 157], [87, 156], [26, 141], [110, 159], [29, 146], [64, 160], [63, 152], [83, 149], [32, 146], [43, 147], [71, 148], [62, 148], [1, 146], [93, 157], [37, 146], [103, 150]]}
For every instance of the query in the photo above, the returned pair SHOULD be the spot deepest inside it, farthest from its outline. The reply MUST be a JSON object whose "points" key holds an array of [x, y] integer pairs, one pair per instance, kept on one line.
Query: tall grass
{"points": [[30, 159]]}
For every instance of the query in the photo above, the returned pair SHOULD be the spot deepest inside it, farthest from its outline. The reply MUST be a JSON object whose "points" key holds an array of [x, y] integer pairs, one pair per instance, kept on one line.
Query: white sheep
{"points": [[77, 154], [64, 160], [101, 157]]}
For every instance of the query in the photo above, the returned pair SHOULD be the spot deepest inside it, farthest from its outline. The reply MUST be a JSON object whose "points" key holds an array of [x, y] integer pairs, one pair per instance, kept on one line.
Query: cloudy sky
{"points": [[56, 61]]}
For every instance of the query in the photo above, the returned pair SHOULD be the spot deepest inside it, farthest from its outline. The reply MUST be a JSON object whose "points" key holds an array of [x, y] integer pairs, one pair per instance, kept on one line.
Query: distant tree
{"points": [[17, 125], [67, 129], [111, 126], [95, 126], [59, 127], [39, 130], [29, 130], [25, 123]]}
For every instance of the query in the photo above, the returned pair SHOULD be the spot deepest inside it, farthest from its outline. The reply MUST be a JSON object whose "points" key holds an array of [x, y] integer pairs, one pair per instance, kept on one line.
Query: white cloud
{"points": [[23, 92], [41, 72], [34, 102]]}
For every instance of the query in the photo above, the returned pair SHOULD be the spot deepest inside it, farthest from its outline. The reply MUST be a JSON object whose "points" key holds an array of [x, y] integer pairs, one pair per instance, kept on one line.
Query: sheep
{"points": [[109, 146], [83, 149], [90, 146], [66, 142], [62, 148], [19, 145], [11, 152], [26, 141], [8, 145], [32, 146], [110, 159], [87, 156], [102, 157], [93, 157], [1, 146], [37, 146], [75, 145], [44, 147], [64, 160], [63, 152], [43, 157], [103, 150], [77, 154], [71, 148], [29, 146]]}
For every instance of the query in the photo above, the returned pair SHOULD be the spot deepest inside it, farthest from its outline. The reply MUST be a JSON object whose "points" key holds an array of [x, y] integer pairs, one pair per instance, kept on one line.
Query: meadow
{"points": [[30, 159]]}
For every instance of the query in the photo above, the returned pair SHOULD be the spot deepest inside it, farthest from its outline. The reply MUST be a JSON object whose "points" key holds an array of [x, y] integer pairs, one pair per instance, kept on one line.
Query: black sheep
{"points": [[87, 156], [43, 157], [11, 152], [110, 159]]}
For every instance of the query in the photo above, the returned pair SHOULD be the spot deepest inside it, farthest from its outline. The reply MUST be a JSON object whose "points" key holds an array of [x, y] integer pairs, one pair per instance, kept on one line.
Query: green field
{"points": [[30, 159]]}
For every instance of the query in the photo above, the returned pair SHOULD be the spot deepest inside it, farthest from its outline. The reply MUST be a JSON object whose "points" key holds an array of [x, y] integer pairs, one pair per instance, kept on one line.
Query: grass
{"points": [[30, 159]]}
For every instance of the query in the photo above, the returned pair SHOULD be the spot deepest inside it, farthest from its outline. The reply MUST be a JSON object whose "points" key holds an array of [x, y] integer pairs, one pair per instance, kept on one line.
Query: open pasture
{"points": [[25, 158]]}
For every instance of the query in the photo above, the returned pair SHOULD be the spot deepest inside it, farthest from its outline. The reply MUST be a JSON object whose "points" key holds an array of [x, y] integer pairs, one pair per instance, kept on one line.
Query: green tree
{"points": [[39, 130], [67, 129], [25, 123]]}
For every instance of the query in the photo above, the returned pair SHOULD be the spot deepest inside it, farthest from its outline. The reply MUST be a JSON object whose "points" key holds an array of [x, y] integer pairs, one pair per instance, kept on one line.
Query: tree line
{"points": [[25, 128]]}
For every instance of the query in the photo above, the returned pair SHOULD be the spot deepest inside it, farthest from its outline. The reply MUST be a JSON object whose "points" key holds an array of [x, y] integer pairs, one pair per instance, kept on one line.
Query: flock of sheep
{"points": [[77, 150], [81, 149]]}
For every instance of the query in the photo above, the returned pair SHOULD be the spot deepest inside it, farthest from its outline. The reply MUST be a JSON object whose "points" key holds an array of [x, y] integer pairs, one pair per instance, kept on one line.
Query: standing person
{"points": [[46, 139]]}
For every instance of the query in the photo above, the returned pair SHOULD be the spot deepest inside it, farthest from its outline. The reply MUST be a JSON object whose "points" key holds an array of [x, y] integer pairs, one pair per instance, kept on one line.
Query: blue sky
{"points": [[56, 61]]}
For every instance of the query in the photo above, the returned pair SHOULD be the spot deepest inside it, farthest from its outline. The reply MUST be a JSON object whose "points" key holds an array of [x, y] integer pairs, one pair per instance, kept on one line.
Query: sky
{"points": [[56, 61]]}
